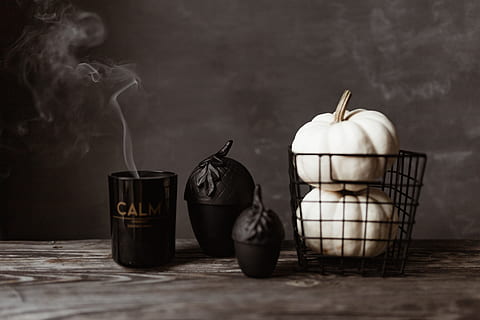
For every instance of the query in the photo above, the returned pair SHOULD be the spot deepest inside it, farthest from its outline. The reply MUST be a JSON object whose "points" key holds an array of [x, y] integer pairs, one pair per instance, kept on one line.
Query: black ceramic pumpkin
{"points": [[217, 191], [258, 234]]}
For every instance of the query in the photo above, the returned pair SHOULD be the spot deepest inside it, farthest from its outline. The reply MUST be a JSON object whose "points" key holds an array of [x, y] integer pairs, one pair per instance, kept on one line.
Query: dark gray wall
{"points": [[254, 72]]}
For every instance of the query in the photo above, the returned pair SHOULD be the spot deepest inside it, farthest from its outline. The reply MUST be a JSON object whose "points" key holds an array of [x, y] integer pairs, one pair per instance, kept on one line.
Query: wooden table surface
{"points": [[79, 280]]}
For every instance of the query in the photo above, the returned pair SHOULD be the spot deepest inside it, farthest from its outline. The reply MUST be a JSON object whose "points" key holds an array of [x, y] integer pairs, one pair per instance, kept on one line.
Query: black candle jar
{"points": [[142, 217]]}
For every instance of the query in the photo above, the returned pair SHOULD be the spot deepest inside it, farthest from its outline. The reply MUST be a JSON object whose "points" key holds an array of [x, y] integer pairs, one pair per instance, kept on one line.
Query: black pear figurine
{"points": [[258, 234], [217, 191]]}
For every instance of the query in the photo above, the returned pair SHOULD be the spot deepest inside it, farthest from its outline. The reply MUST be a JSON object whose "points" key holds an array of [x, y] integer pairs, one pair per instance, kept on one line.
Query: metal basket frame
{"points": [[402, 182]]}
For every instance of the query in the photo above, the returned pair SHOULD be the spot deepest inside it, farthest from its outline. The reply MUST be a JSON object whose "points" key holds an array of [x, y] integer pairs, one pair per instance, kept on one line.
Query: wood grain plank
{"points": [[79, 280]]}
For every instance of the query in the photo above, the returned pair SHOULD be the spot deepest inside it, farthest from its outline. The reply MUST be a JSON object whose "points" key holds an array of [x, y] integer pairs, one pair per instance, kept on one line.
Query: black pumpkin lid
{"points": [[258, 225], [219, 180]]}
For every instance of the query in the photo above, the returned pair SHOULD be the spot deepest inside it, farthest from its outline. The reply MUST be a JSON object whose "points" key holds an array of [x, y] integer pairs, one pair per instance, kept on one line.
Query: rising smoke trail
{"points": [[127, 140], [67, 90], [131, 79]]}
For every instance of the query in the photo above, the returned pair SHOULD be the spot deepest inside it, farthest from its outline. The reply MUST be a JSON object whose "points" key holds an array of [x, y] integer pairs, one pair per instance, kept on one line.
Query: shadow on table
{"points": [[189, 258]]}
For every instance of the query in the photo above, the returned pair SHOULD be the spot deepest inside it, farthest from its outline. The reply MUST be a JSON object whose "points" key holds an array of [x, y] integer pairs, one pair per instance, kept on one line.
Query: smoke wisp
{"points": [[68, 87]]}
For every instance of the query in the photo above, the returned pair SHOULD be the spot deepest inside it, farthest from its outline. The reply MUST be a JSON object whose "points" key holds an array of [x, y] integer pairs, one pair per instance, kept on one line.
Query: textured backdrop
{"points": [[255, 71]]}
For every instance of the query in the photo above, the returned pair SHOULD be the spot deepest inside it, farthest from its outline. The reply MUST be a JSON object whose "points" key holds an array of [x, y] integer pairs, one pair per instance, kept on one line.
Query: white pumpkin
{"points": [[377, 220], [345, 132]]}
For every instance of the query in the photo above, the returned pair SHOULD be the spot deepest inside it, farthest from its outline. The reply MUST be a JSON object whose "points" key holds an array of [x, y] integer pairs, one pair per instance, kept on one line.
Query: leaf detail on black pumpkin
{"points": [[201, 177], [259, 218], [258, 225], [212, 169], [210, 184], [263, 220], [215, 173], [250, 226]]}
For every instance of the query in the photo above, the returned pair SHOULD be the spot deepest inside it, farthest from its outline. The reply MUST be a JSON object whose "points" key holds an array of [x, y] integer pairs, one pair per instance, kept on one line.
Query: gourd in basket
{"points": [[359, 133], [347, 223]]}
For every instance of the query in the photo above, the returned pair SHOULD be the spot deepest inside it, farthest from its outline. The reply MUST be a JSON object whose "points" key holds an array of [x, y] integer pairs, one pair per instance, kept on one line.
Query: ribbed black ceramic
{"points": [[142, 217]]}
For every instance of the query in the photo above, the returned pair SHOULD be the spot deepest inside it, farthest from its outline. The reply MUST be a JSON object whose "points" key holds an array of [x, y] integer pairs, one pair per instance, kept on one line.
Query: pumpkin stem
{"points": [[342, 106], [257, 206], [225, 149], [257, 199]]}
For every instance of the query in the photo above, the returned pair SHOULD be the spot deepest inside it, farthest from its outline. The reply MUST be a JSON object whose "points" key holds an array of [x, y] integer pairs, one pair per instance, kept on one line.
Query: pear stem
{"points": [[257, 198], [257, 206]]}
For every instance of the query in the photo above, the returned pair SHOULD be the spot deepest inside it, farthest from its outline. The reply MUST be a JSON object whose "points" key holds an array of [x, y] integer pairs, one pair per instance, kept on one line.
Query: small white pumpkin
{"points": [[345, 132], [369, 216]]}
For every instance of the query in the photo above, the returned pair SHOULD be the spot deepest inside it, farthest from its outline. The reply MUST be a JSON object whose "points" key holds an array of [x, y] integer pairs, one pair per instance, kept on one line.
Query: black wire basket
{"points": [[365, 225]]}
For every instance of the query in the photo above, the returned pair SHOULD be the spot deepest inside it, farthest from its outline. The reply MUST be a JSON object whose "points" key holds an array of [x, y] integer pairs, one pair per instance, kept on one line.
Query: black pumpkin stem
{"points": [[260, 215], [225, 149], [257, 199]]}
